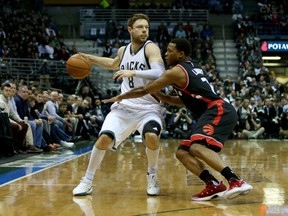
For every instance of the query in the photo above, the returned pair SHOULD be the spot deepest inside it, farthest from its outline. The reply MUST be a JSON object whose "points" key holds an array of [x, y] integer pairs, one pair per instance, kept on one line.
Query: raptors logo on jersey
{"points": [[208, 129]]}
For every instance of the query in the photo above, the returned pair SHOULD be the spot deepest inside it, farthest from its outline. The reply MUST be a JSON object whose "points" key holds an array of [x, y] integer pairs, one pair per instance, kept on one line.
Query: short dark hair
{"points": [[63, 104], [182, 44], [5, 84]]}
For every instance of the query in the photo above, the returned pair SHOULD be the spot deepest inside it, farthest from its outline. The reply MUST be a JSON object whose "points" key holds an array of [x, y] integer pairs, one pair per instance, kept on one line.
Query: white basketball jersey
{"points": [[136, 61]]}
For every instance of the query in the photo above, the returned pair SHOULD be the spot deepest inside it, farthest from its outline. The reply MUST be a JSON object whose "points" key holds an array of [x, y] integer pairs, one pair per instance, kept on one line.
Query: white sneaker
{"points": [[153, 188], [84, 188], [67, 144]]}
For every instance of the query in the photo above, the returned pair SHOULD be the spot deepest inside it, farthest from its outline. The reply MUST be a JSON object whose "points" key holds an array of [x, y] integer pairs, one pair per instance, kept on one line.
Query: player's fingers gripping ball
{"points": [[78, 67]]}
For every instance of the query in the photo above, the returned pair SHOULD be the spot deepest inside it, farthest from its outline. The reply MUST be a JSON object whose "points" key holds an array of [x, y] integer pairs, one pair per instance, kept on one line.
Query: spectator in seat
{"points": [[96, 117], [52, 106], [188, 28], [21, 101], [49, 134], [41, 50], [74, 118], [180, 32], [79, 109], [60, 124], [29, 140], [19, 127], [50, 31], [47, 141], [100, 110], [63, 54], [49, 50], [63, 112], [86, 91], [207, 33], [107, 51]]}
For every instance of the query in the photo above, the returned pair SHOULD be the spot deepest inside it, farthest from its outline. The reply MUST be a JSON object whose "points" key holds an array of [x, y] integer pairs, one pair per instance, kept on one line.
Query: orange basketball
{"points": [[78, 67]]}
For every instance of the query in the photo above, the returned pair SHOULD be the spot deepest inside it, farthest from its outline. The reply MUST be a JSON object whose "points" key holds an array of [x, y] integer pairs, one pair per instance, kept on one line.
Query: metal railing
{"points": [[268, 31], [29, 70], [165, 15], [27, 66], [93, 21]]}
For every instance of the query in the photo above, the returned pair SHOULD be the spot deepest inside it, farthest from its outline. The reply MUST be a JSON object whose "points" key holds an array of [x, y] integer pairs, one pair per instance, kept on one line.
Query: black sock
{"points": [[228, 174], [207, 177]]}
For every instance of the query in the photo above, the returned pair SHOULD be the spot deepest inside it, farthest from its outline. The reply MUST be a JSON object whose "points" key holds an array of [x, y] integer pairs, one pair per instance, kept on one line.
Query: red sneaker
{"points": [[212, 191], [237, 187]]}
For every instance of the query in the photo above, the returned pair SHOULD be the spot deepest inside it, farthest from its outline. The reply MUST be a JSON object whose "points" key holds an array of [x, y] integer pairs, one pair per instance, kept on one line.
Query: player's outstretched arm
{"points": [[105, 62], [166, 79], [169, 99]]}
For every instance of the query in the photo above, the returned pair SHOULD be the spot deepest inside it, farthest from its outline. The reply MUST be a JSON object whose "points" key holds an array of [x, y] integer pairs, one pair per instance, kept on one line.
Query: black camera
{"points": [[2, 108], [184, 111], [249, 116]]}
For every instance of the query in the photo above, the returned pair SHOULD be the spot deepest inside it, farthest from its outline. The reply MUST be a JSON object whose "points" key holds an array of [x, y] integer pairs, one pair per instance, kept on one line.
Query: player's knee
{"points": [[151, 131], [152, 140], [103, 141], [152, 127]]}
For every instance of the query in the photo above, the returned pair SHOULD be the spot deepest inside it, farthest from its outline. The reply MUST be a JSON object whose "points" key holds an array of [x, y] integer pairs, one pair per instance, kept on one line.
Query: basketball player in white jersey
{"points": [[138, 63]]}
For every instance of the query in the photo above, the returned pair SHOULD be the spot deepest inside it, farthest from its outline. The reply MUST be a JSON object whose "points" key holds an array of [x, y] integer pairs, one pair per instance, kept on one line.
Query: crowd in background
{"points": [[260, 100], [48, 121], [30, 34]]}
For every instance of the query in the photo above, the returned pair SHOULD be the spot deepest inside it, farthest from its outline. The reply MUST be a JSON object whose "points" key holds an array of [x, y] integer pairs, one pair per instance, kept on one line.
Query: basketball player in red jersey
{"points": [[217, 119]]}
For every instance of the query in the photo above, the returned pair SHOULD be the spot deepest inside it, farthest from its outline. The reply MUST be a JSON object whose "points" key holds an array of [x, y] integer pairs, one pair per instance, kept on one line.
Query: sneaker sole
{"points": [[84, 193], [236, 192], [245, 192], [214, 196], [156, 194]]}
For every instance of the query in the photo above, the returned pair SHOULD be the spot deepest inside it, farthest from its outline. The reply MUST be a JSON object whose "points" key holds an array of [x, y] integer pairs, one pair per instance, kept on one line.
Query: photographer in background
{"points": [[253, 128], [243, 112], [270, 122], [183, 124]]}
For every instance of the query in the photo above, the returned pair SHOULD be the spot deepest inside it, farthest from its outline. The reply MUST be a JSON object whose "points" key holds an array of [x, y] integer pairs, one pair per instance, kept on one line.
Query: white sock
{"points": [[96, 158], [152, 156]]}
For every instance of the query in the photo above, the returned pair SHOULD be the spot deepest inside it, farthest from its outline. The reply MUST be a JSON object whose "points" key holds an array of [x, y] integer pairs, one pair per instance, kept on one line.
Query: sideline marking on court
{"points": [[47, 161]]}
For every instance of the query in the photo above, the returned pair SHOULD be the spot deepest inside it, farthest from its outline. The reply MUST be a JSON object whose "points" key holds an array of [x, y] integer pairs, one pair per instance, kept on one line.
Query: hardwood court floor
{"points": [[120, 183]]}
